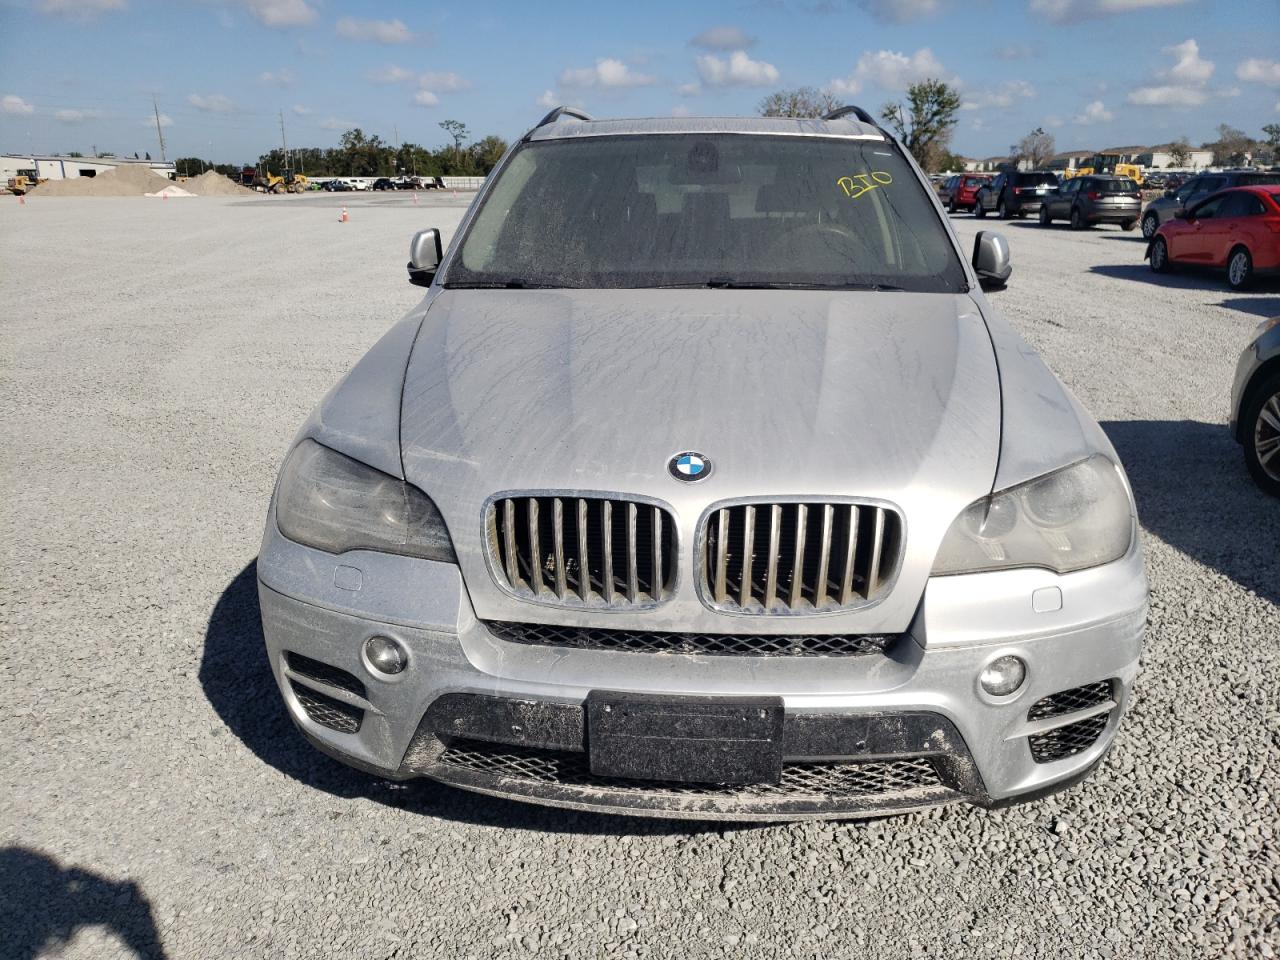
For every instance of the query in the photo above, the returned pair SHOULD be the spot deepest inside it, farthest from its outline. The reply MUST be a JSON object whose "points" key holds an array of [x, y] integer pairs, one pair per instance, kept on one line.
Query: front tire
{"points": [[951, 206], [1150, 224], [1002, 211], [1045, 219], [1239, 268], [1160, 256], [979, 210], [1077, 219], [1261, 422]]}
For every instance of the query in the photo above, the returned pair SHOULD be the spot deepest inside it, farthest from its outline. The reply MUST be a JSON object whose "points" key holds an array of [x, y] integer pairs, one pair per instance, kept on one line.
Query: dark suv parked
{"points": [[1014, 194], [1163, 209]]}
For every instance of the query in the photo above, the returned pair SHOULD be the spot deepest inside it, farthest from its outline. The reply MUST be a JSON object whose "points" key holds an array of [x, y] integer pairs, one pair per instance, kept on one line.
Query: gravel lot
{"points": [[157, 358]]}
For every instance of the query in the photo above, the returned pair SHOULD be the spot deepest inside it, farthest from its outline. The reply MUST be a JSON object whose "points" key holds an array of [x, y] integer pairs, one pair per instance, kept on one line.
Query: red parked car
{"points": [[961, 191], [1237, 230]]}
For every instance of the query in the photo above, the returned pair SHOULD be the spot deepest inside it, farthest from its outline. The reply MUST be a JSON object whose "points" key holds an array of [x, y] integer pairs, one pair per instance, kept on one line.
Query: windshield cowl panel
{"points": [[707, 210]]}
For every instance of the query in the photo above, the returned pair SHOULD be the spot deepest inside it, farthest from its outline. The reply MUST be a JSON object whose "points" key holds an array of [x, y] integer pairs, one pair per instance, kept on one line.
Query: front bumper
{"points": [[863, 735]]}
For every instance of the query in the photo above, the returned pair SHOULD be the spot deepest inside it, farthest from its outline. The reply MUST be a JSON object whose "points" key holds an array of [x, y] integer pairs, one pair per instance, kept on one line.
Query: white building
{"points": [[64, 168], [1159, 158]]}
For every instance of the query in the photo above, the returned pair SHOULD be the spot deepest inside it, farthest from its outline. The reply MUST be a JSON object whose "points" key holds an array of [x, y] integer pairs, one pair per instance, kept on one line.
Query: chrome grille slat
{"points": [[535, 548], [583, 551], [557, 516], [814, 557]]}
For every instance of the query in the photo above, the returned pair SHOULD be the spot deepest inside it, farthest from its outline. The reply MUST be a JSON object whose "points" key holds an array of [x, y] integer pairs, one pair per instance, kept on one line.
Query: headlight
{"points": [[334, 503], [1070, 519]]}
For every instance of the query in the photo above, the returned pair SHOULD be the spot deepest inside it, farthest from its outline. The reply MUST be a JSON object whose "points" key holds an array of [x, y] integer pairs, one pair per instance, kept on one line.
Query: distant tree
{"points": [[800, 102], [1272, 130], [925, 124], [487, 152], [75, 153], [1231, 146], [1180, 152], [951, 162], [1037, 146], [457, 130], [148, 156]]}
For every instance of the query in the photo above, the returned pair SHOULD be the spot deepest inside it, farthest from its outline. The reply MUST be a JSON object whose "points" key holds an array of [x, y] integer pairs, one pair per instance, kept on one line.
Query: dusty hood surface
{"points": [[893, 396]]}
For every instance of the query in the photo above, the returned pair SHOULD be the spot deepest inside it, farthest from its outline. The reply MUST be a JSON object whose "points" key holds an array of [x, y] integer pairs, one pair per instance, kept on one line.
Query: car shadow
{"points": [[1264, 308], [43, 905], [1194, 493], [1186, 278], [237, 680]]}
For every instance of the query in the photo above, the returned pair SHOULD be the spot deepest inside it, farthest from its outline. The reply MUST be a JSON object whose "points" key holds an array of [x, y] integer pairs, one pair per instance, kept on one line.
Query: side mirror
{"points": [[425, 255], [991, 260]]}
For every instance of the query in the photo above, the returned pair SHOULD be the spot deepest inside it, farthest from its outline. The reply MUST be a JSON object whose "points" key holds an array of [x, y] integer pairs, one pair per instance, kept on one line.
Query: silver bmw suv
{"points": [[706, 482]]}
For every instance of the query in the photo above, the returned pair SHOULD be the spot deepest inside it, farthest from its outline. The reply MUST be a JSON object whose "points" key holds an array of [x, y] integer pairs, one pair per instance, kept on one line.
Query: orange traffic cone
{"points": [[343, 218]]}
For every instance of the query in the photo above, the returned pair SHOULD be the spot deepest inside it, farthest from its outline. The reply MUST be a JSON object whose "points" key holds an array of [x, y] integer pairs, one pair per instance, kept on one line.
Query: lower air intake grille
{"points": [[1069, 740], [1069, 701], [326, 710], [781, 558], [816, 780], [713, 644], [325, 673], [583, 551]]}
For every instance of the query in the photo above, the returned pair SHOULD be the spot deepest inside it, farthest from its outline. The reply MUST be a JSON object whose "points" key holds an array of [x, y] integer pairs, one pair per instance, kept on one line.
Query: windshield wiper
{"points": [[515, 283], [717, 283]]}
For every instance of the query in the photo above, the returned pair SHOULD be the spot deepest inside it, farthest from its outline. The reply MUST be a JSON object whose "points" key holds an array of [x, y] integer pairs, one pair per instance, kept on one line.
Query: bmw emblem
{"points": [[689, 466]]}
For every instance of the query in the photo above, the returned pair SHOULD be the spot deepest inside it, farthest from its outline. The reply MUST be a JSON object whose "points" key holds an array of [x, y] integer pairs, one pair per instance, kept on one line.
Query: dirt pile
{"points": [[211, 184], [128, 180]]}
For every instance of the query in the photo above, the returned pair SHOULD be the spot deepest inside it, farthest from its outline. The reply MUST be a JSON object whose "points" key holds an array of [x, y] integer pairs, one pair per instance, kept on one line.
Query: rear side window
{"points": [[1241, 205], [1258, 179], [1036, 180]]}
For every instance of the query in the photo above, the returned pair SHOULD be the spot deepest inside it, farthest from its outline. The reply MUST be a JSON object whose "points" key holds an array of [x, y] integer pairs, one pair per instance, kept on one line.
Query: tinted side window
{"points": [[1209, 209], [1187, 189], [1241, 205]]}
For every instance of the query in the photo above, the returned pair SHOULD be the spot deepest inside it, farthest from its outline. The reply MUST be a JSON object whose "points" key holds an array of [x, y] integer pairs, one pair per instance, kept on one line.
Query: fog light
{"points": [[385, 655], [1002, 676]]}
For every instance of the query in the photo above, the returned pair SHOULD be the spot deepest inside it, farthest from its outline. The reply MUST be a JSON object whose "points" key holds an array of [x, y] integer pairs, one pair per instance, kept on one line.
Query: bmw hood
{"points": [[788, 394]]}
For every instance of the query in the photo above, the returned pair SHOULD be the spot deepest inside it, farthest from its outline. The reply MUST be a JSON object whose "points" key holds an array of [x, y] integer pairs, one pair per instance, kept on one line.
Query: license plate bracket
{"points": [[734, 740]]}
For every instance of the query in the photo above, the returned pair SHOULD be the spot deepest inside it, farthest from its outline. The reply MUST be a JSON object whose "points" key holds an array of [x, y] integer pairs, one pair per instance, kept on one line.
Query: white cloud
{"points": [[548, 99], [425, 98], [442, 82], [392, 74], [79, 9], [1257, 70], [280, 13], [739, 70], [15, 104], [1001, 96], [332, 123], [891, 71], [1073, 11], [1185, 84], [150, 120], [689, 89], [899, 11], [77, 116], [300, 110], [1095, 112], [283, 77], [1167, 95], [722, 38], [606, 73], [680, 110], [1189, 67], [213, 103], [377, 31]]}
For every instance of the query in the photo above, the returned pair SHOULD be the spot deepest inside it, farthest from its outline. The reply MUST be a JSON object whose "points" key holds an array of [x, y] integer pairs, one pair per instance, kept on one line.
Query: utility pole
{"points": [[285, 144], [159, 131]]}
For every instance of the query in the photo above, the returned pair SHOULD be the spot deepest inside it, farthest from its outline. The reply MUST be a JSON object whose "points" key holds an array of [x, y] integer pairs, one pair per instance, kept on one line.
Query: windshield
{"points": [[708, 210]]}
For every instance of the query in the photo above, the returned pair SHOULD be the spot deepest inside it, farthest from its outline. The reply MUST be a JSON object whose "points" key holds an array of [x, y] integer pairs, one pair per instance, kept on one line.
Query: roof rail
{"points": [[559, 112], [841, 112]]}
